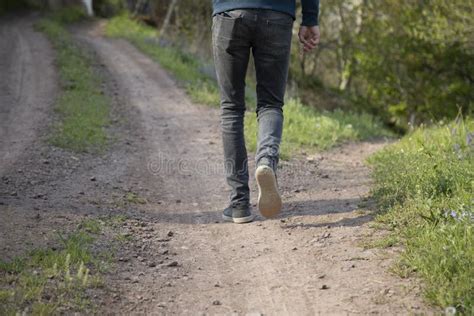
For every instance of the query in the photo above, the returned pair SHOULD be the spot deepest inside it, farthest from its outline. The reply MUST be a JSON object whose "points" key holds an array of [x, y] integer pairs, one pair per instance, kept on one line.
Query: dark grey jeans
{"points": [[267, 35]]}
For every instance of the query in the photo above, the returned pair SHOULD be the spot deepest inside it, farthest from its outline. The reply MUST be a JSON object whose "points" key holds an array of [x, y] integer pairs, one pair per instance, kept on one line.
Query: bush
{"points": [[108, 8], [425, 186]]}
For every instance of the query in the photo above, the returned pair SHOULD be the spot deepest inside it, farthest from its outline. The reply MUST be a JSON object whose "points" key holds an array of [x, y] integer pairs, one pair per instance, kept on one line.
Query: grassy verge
{"points": [[305, 128], [425, 186], [61, 279], [82, 107]]}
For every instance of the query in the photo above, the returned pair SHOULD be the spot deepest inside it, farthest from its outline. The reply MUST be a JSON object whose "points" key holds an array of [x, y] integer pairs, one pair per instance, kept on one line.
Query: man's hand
{"points": [[309, 37]]}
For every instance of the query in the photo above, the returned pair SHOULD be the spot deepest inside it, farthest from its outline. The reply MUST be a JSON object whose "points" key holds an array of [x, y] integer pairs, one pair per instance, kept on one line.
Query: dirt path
{"points": [[182, 258], [27, 87]]}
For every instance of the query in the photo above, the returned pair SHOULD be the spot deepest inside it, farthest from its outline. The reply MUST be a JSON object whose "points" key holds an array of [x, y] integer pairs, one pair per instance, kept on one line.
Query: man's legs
{"points": [[231, 49]]}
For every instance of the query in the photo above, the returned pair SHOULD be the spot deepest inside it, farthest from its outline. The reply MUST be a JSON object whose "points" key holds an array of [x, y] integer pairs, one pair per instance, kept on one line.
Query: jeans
{"points": [[267, 35]]}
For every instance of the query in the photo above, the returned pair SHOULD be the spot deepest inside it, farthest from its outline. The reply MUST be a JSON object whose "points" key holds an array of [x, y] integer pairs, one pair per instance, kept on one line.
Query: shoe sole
{"points": [[239, 220], [269, 200]]}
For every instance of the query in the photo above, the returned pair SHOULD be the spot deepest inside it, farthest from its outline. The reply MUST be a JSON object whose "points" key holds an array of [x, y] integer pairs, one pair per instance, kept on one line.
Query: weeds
{"points": [[425, 187], [82, 107], [49, 281]]}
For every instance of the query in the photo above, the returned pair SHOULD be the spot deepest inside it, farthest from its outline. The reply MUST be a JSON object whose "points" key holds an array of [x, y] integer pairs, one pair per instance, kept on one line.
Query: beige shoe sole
{"points": [[269, 200]]}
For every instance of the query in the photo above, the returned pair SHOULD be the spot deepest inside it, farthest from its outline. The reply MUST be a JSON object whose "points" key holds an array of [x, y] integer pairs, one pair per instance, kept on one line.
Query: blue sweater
{"points": [[310, 7]]}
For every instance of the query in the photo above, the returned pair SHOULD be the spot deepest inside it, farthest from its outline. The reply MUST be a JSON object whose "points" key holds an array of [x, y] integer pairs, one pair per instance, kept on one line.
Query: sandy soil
{"points": [[182, 258]]}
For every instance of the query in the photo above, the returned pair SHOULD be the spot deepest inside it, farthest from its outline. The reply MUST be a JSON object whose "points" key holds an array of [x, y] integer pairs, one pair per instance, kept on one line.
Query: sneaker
{"points": [[238, 215], [269, 200]]}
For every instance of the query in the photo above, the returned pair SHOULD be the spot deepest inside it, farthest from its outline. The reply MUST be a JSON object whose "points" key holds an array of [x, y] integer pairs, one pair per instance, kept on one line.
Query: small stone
{"points": [[294, 249], [325, 176], [216, 302], [178, 201], [152, 264], [93, 178], [324, 287], [170, 234], [162, 304], [385, 291], [322, 276], [173, 264]]}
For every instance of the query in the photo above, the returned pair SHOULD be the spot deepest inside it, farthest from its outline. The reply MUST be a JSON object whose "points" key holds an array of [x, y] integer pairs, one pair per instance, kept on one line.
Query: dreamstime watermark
{"points": [[163, 165]]}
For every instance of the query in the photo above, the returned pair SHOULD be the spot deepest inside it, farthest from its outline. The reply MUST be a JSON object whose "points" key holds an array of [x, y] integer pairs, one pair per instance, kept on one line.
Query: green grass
{"points": [[48, 281], [82, 107], [305, 128], [425, 187]]}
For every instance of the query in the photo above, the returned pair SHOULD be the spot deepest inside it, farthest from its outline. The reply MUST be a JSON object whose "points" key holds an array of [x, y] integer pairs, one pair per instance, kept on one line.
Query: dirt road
{"points": [[183, 259]]}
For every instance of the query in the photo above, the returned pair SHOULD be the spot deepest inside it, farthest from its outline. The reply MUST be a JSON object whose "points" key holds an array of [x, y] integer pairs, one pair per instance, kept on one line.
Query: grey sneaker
{"points": [[269, 200], [239, 215]]}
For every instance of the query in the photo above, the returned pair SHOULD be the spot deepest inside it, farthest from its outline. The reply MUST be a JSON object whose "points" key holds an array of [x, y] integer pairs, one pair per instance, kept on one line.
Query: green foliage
{"points": [[82, 106], [425, 186], [306, 128], [108, 8], [416, 62], [47, 281], [70, 14]]}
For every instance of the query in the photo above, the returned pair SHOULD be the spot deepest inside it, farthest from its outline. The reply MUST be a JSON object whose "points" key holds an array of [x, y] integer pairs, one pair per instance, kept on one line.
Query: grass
{"points": [[305, 127], [53, 281], [424, 185], [82, 107]]}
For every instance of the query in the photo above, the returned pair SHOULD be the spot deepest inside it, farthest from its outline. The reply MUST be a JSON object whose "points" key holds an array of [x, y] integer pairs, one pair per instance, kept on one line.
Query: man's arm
{"points": [[309, 31], [310, 12]]}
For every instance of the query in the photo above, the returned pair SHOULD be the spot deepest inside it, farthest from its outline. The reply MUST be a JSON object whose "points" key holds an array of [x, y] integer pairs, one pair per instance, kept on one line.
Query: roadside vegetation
{"points": [[82, 107], [63, 278], [305, 127], [425, 187]]}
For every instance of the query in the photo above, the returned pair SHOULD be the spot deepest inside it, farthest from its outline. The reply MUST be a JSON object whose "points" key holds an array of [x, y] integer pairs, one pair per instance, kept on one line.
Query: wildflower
{"points": [[454, 214]]}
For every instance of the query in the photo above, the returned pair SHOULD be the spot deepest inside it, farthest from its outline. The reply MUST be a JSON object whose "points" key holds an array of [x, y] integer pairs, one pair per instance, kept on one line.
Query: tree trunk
{"points": [[88, 5]]}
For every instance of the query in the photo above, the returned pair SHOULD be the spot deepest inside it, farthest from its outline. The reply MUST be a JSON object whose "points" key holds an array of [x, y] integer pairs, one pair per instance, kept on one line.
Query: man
{"points": [[263, 28]]}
